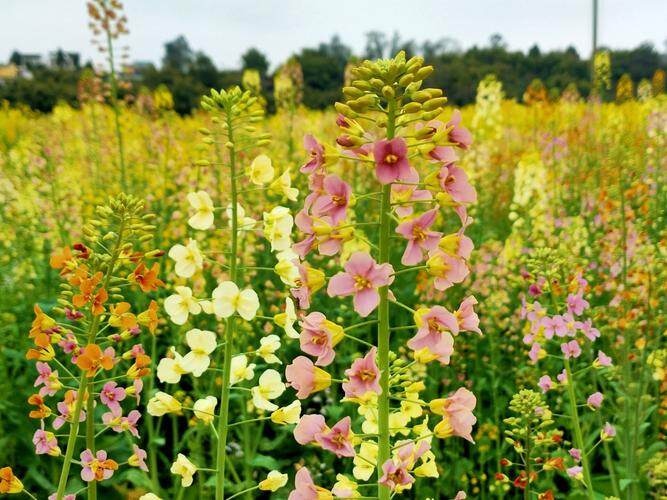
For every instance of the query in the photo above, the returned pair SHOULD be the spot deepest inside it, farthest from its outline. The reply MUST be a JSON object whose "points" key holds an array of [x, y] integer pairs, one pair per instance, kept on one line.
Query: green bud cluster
{"points": [[375, 84]]}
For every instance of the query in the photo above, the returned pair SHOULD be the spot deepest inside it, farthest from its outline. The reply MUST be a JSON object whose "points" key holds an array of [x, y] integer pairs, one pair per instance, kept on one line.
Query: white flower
{"points": [[227, 299], [149, 496], [162, 403], [287, 319], [203, 205], [283, 185], [170, 369], [243, 222], [261, 170], [274, 481], [181, 304], [288, 272], [289, 414], [268, 346], [278, 225], [241, 370], [270, 386], [201, 343], [184, 468], [187, 258], [204, 409]]}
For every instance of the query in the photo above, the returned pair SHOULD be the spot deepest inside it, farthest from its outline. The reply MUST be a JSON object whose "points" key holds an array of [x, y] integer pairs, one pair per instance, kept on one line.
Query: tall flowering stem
{"points": [[91, 302], [388, 125]]}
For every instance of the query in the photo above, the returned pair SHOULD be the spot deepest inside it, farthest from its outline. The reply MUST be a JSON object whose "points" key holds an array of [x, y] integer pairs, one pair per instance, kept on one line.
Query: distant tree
{"points": [[16, 58], [178, 55], [496, 41], [204, 71], [376, 45], [254, 59]]}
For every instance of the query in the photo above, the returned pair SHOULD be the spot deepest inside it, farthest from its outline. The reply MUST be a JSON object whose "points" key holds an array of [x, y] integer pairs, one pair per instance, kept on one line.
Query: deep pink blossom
{"points": [[395, 475], [334, 200], [316, 152], [363, 376], [45, 443], [305, 377], [434, 333], [458, 134], [594, 401], [571, 349], [391, 160], [319, 337], [338, 439], [304, 487], [545, 383], [308, 427], [362, 278], [454, 182], [111, 395], [420, 237], [467, 317]]}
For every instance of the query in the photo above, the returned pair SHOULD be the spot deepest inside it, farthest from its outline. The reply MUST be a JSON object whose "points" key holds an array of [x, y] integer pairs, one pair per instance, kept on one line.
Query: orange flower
{"points": [[44, 350], [149, 317], [547, 495], [87, 287], [43, 328], [64, 261], [121, 317], [147, 278], [140, 368], [9, 483], [42, 411], [554, 464], [92, 359]]}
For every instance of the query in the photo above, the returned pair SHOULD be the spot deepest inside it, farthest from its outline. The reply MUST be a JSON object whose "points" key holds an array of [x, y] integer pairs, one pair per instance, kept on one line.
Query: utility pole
{"points": [[595, 37]]}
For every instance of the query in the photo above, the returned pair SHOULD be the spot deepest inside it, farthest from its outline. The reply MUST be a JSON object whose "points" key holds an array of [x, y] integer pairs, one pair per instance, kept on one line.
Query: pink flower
{"points": [[594, 401], [48, 378], [534, 353], [338, 439], [446, 269], [363, 376], [96, 467], [434, 333], [319, 336], [545, 383], [403, 194], [391, 160], [444, 154], [305, 377], [454, 182], [316, 152], [304, 487], [575, 453], [571, 349], [602, 360], [554, 325], [467, 317], [608, 432], [308, 427], [562, 377], [587, 329], [54, 496], [576, 303], [575, 472], [362, 277], [334, 200], [419, 237], [395, 475], [458, 134], [111, 395], [119, 423], [45, 443], [65, 409], [138, 458], [307, 284], [457, 416]]}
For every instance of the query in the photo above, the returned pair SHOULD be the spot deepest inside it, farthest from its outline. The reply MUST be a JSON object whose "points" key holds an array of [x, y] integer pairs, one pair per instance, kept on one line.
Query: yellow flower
{"points": [[274, 481], [270, 386], [283, 185], [187, 258], [227, 299], [170, 369], [243, 222], [203, 205], [278, 225], [184, 468], [149, 496], [363, 468], [241, 370], [9, 483], [268, 346], [345, 487], [261, 170], [204, 409], [288, 271], [289, 414], [287, 319], [202, 343], [162, 403], [181, 304]]}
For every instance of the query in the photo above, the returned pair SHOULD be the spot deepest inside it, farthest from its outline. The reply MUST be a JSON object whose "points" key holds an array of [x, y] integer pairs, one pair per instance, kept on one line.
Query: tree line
{"points": [[189, 73]]}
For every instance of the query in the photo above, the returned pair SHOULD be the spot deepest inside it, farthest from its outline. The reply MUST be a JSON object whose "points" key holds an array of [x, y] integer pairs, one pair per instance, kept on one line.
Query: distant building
{"points": [[64, 60], [11, 72], [26, 60]]}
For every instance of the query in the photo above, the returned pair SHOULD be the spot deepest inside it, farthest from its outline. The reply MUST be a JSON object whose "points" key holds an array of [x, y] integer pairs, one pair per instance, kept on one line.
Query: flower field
{"points": [[389, 298]]}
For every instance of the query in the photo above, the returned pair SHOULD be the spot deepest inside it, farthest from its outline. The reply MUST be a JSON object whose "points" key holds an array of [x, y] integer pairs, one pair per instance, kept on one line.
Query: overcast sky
{"points": [[224, 29]]}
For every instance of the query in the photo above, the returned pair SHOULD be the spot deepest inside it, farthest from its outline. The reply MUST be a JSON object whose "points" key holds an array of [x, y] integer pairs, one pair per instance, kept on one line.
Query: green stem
{"points": [[384, 450], [578, 435], [90, 440], [223, 428]]}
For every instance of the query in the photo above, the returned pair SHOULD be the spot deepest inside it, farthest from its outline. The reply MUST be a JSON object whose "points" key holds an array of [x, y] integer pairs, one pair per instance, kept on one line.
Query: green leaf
{"points": [[265, 462]]}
